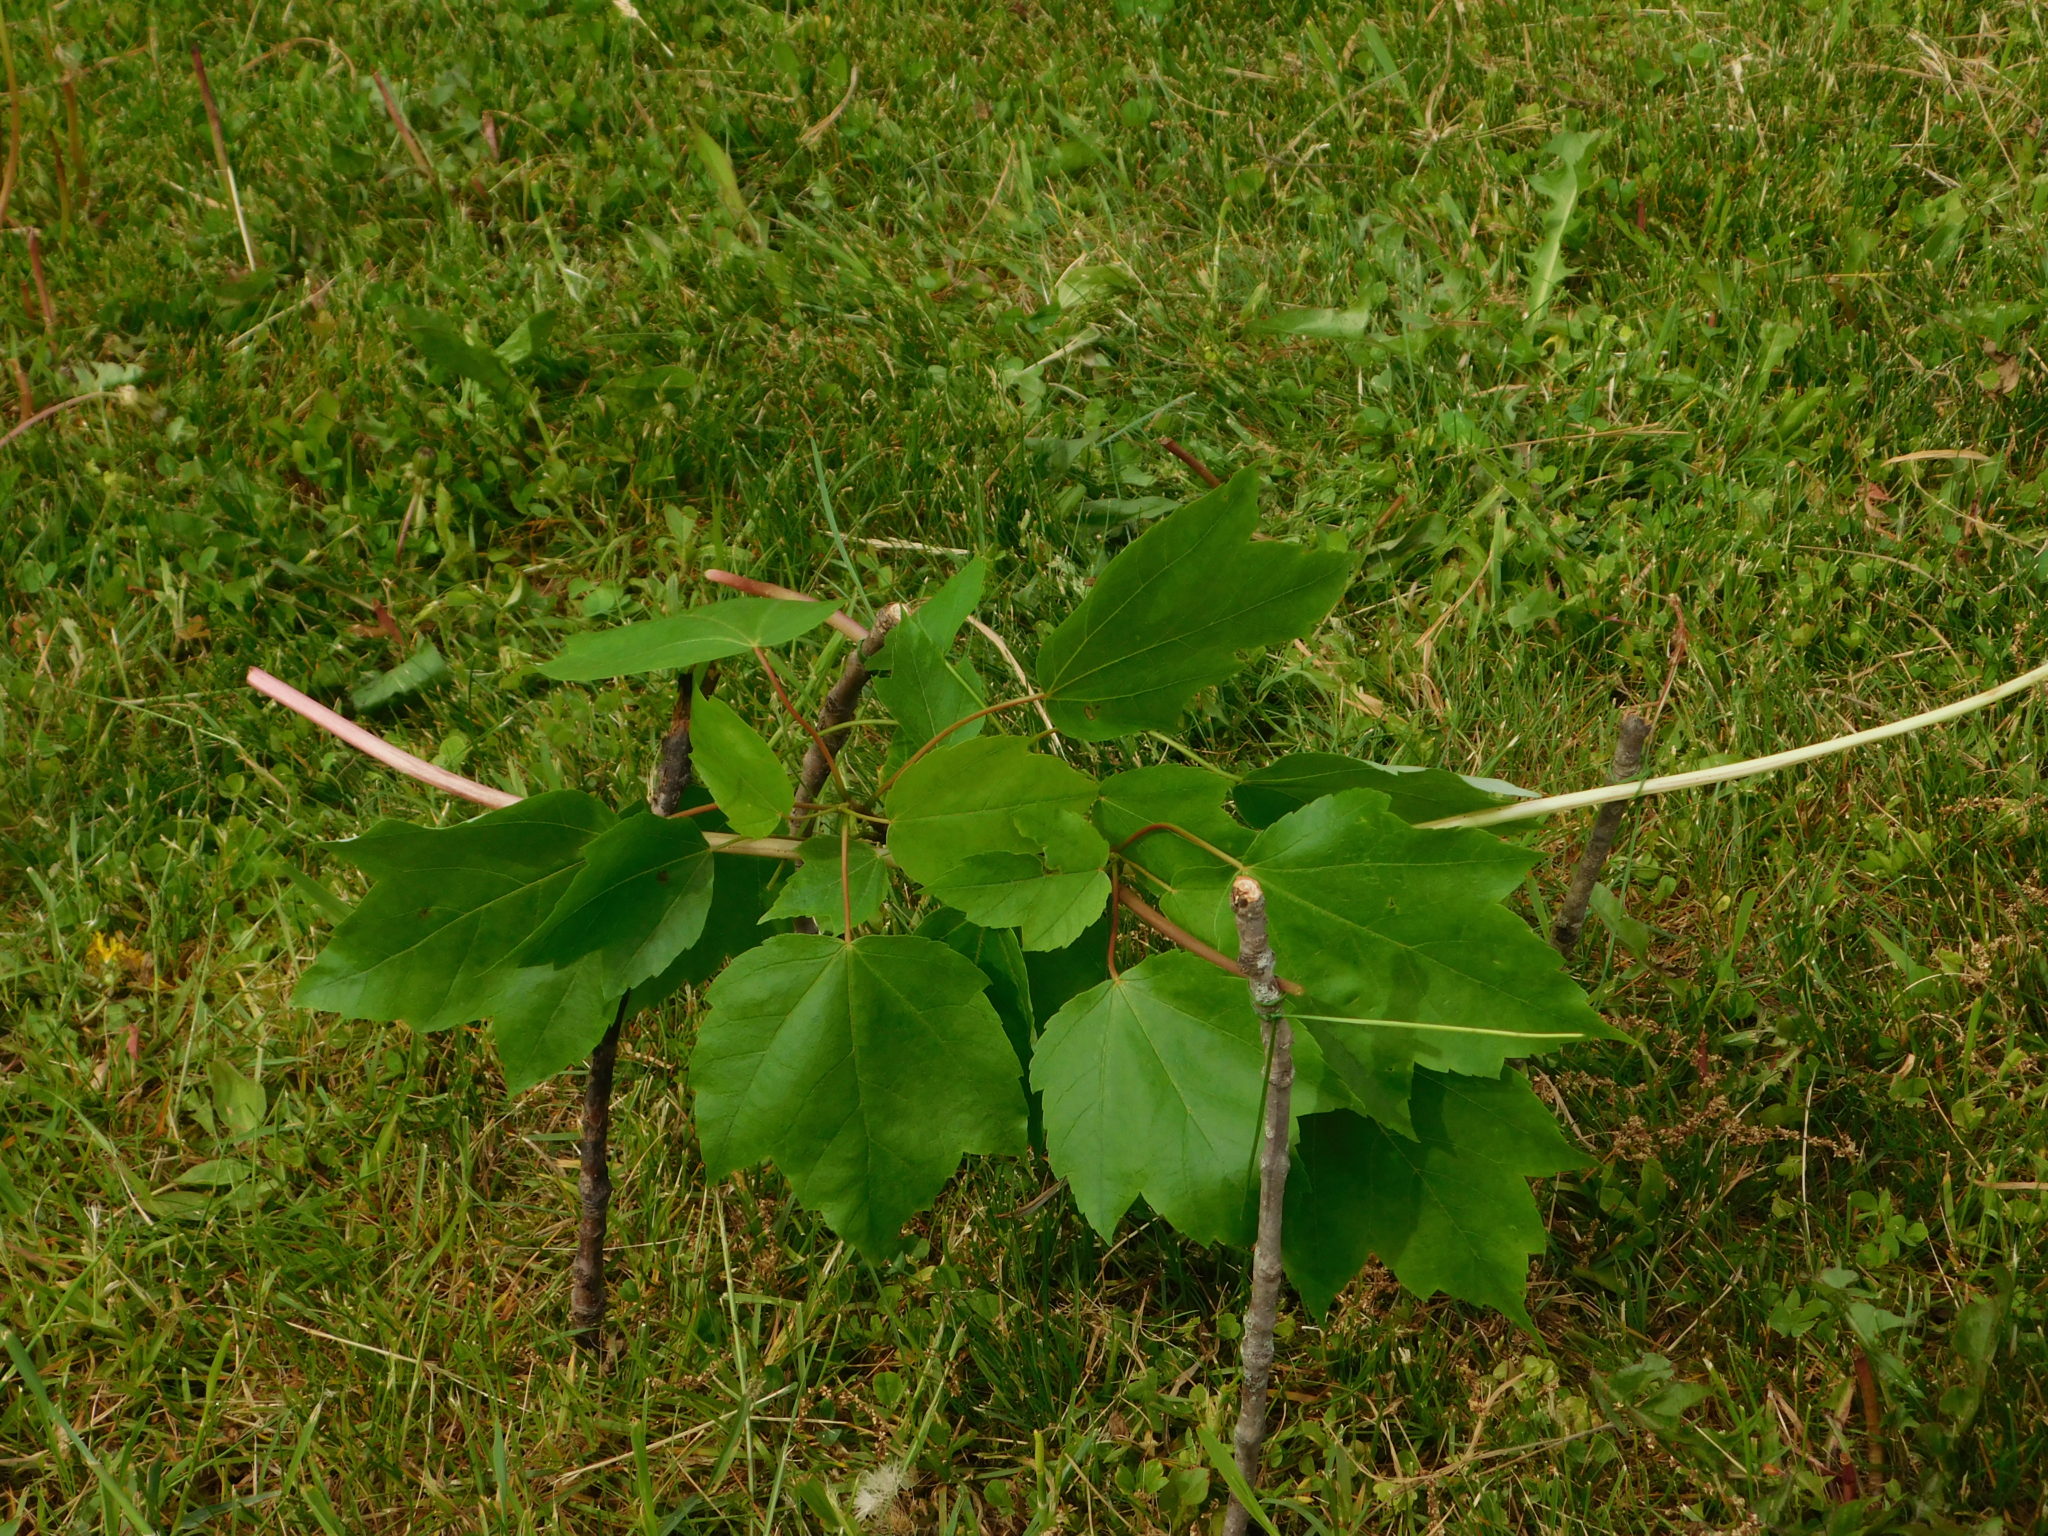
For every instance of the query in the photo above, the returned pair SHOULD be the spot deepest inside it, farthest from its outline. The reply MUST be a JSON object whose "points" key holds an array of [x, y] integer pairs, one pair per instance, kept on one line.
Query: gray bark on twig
{"points": [[834, 716], [672, 768], [587, 1291], [1628, 762], [1255, 954], [594, 1188]]}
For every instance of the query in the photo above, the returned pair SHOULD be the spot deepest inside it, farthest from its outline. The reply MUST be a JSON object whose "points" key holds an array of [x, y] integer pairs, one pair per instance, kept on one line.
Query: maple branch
{"points": [[372, 745], [789, 708], [594, 1191], [1167, 928], [835, 716], [672, 767], [1255, 955], [853, 629], [1628, 761], [673, 771]]}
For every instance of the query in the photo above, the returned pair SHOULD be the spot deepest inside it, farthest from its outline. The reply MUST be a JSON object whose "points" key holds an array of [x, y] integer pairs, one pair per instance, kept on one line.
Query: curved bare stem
{"points": [[1185, 836], [1703, 778], [372, 745], [993, 709], [853, 629], [1002, 646]]}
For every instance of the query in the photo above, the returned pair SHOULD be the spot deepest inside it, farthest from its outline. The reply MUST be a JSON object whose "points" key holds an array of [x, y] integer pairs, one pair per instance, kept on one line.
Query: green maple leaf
{"points": [[941, 615], [739, 900], [639, 900], [1058, 976], [961, 800], [996, 953], [1388, 925], [1048, 908], [1171, 614], [1179, 795], [1413, 794], [736, 765], [815, 889], [710, 633], [1050, 896], [1450, 1210], [1153, 1085], [917, 681], [548, 1018], [865, 1070], [1368, 1070], [438, 939]]}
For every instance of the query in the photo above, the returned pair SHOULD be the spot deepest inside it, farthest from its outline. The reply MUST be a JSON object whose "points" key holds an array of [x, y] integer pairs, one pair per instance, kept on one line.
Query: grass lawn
{"points": [[521, 315]]}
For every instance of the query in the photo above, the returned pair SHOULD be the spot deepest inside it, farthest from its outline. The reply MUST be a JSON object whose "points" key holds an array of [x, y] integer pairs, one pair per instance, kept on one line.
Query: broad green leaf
{"points": [[1413, 794], [925, 692], [436, 941], [537, 833], [1153, 1085], [644, 387], [710, 633], [528, 337], [1388, 925], [736, 765], [1180, 795], [1050, 908], [239, 1102], [939, 617], [998, 956], [549, 1018], [1449, 1211], [739, 897], [814, 889], [962, 800], [865, 1070], [1171, 614], [1066, 840], [423, 668], [639, 900], [1369, 1070], [1060, 975], [1047, 882], [918, 681]]}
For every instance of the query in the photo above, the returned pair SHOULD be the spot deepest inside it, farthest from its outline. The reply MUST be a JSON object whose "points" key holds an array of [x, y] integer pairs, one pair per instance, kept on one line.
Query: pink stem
{"points": [[50, 410], [853, 629], [372, 745]]}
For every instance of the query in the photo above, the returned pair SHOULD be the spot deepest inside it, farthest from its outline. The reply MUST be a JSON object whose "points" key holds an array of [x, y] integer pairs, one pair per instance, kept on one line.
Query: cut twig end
{"points": [[1246, 896]]}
